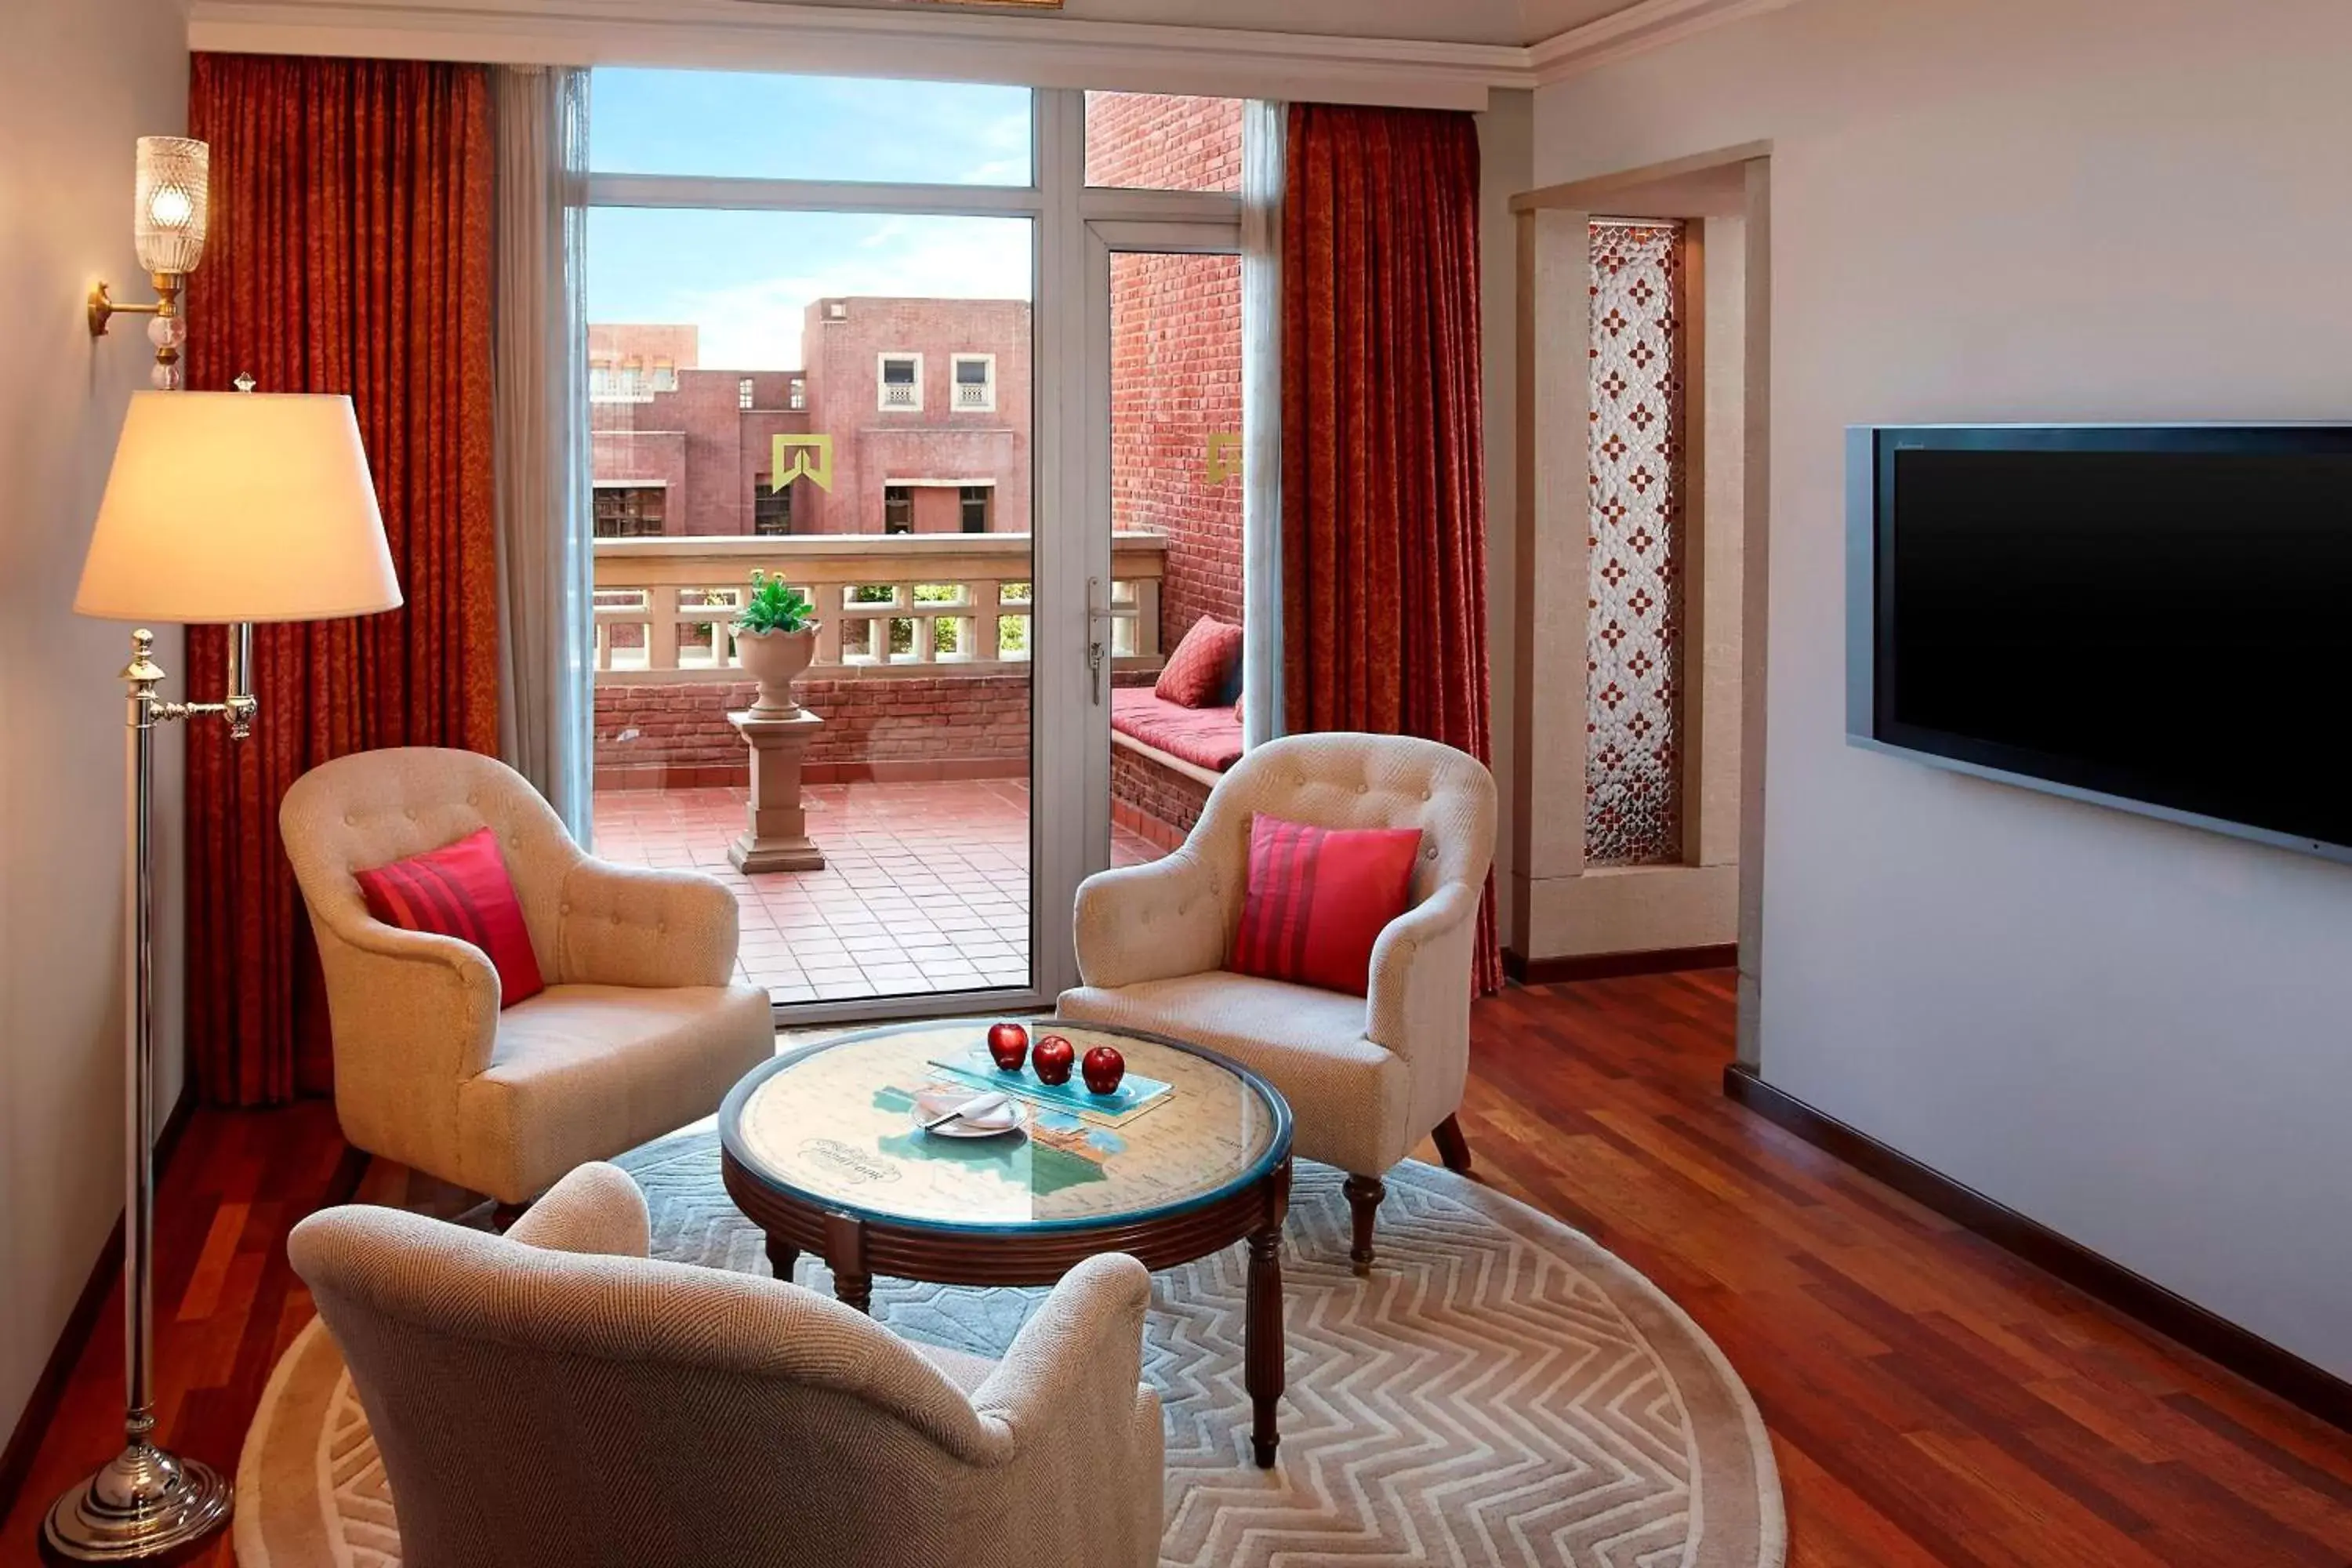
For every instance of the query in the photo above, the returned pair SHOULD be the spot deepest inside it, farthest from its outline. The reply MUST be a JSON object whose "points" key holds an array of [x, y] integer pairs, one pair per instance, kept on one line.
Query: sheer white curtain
{"points": [[1265, 129], [546, 706]]}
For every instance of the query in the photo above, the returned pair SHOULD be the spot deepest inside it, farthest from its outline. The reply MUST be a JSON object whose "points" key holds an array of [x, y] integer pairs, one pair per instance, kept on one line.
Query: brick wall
{"points": [[923, 727], [1155, 803], [1176, 384], [1149, 141], [1176, 345]]}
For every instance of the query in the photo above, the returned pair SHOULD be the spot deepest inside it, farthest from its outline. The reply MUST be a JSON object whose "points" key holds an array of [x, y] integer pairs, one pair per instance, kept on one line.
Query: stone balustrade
{"points": [[889, 604]]}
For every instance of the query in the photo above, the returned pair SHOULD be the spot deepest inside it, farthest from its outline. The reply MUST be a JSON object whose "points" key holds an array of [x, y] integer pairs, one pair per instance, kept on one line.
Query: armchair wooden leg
{"points": [[1452, 1146], [1364, 1196]]}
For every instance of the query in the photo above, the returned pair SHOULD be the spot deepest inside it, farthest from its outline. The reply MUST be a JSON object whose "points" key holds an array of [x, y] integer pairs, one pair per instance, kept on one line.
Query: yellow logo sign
{"points": [[1224, 457], [797, 456]]}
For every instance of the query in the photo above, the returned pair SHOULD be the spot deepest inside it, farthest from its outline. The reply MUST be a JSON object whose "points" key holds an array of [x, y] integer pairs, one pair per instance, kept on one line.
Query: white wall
{"points": [[1506, 167], [2040, 210], [78, 80]]}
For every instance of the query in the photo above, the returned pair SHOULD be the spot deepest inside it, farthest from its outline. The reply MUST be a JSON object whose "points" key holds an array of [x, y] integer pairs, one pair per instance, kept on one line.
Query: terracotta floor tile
{"points": [[926, 886]]}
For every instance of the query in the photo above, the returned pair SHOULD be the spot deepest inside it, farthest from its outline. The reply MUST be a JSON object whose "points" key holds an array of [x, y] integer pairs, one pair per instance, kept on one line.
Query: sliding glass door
{"points": [[866, 339], [1168, 381]]}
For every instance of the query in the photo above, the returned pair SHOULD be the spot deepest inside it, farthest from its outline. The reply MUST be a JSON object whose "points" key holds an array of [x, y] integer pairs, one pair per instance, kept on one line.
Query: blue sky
{"points": [[745, 276]]}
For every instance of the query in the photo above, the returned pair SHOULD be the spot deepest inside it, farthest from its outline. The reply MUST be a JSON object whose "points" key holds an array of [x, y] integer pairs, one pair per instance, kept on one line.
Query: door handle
{"points": [[1099, 622]]}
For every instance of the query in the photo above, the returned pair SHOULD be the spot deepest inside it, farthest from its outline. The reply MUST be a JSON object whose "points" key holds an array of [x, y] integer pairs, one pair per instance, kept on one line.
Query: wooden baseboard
{"points": [[1617, 966], [49, 1389], [2258, 1360]]}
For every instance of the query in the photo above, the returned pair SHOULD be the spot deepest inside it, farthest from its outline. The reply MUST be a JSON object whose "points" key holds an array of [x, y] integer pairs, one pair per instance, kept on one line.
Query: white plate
{"points": [[932, 1106]]}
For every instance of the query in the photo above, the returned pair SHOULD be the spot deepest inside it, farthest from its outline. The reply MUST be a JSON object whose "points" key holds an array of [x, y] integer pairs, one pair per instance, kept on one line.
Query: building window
{"points": [[1633, 772], [901, 382], [743, 393], [771, 509], [898, 510], [665, 375], [630, 511], [613, 380], [975, 383], [976, 506], [798, 398]]}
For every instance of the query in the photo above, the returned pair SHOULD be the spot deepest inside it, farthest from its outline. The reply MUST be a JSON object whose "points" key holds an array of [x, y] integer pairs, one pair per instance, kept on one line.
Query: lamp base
{"points": [[145, 1504]]}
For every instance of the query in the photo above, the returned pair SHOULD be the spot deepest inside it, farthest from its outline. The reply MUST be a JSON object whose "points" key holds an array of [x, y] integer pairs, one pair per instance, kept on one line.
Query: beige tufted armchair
{"points": [[551, 1398], [1367, 1077], [641, 1028]]}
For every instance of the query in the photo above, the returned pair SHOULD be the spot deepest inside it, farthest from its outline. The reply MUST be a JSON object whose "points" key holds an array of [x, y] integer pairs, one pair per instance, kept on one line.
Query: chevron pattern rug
{"points": [[1501, 1391]]}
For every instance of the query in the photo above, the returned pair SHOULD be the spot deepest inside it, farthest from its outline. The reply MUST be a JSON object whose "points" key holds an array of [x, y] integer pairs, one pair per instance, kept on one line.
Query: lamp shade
{"points": [[237, 506]]}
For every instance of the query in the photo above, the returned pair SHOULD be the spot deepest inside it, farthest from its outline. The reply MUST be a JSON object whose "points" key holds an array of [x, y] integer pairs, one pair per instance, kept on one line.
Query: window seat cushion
{"points": [[1207, 737]]}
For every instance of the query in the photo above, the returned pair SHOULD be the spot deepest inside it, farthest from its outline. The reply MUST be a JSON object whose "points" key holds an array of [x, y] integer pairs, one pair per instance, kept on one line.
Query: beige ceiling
{"points": [[1516, 22]]}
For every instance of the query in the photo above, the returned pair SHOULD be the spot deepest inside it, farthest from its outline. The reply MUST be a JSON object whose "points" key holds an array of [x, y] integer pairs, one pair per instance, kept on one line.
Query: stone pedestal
{"points": [[776, 838]]}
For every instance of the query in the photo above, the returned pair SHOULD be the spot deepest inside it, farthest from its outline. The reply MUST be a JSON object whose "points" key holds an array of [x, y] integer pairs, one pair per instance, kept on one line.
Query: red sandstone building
{"points": [[910, 416]]}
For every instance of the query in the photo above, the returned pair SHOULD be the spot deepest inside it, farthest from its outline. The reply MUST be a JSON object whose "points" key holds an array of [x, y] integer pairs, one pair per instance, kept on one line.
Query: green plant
{"points": [[771, 607]]}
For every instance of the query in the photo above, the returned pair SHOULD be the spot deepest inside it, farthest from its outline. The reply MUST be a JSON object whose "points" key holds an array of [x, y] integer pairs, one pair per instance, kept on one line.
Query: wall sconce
{"points": [[168, 220]]}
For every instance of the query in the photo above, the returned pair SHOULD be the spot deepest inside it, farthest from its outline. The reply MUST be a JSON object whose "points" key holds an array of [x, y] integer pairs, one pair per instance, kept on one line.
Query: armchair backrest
{"points": [[535, 1406], [1343, 780], [371, 808]]}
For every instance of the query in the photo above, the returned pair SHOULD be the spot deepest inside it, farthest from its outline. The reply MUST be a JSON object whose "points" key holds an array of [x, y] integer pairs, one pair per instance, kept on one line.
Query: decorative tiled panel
{"points": [[1633, 790]]}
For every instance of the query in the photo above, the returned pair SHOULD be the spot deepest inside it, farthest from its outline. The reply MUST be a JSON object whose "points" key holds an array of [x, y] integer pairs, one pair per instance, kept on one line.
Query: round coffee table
{"points": [[821, 1151]]}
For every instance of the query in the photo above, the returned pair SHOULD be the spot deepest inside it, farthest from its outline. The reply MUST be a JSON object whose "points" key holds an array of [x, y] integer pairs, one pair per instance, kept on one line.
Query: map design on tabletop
{"points": [[838, 1125]]}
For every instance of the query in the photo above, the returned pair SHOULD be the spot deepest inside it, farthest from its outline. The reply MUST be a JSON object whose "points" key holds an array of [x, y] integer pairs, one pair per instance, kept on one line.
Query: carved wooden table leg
{"points": [[1364, 1196], [782, 1257], [1262, 1372], [844, 1254]]}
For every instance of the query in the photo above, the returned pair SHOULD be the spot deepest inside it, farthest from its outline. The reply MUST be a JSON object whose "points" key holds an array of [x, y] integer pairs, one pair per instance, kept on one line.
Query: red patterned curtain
{"points": [[1384, 486], [350, 251]]}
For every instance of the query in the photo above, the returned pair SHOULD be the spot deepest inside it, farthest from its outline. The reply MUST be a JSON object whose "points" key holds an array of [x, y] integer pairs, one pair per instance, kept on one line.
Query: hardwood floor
{"points": [[1932, 1400]]}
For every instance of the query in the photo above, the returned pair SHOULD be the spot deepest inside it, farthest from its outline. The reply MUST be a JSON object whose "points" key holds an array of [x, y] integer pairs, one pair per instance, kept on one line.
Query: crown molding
{"points": [[944, 45], [950, 45], [1636, 30]]}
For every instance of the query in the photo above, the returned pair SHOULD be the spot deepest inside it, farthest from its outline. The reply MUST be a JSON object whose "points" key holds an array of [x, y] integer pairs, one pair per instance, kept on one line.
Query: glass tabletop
{"points": [[836, 1124]]}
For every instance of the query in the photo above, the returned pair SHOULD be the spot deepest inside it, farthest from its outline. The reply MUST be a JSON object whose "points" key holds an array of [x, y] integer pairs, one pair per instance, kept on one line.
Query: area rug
{"points": [[1501, 1391]]}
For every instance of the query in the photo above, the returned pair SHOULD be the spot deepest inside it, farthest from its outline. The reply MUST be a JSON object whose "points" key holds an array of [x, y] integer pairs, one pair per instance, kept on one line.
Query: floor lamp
{"points": [[231, 507]]}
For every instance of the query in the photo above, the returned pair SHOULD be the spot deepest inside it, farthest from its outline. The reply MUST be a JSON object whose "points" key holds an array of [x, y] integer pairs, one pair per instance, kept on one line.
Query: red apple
{"points": [[1104, 1068], [1053, 1059], [1009, 1045]]}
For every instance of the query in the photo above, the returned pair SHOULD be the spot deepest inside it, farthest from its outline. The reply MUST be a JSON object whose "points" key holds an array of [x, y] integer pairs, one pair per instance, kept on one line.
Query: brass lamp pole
{"points": [[221, 508]]}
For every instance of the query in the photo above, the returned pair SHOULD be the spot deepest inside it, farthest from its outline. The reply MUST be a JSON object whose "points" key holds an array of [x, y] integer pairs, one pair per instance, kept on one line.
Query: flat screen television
{"points": [[2155, 617]]}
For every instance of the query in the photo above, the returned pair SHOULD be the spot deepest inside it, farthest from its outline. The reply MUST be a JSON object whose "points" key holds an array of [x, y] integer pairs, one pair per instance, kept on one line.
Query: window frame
{"points": [[629, 497], [765, 495], [987, 361], [1070, 738], [883, 360]]}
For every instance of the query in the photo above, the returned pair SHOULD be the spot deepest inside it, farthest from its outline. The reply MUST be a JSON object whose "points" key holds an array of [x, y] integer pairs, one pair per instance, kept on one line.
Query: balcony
{"points": [[918, 788]]}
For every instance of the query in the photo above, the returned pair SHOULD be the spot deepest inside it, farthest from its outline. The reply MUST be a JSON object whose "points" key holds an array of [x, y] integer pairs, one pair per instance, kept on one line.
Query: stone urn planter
{"points": [[776, 659], [775, 635]]}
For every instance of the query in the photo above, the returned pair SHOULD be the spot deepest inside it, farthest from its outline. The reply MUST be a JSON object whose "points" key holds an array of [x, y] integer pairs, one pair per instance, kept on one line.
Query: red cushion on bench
{"points": [[1207, 737], [1201, 665]]}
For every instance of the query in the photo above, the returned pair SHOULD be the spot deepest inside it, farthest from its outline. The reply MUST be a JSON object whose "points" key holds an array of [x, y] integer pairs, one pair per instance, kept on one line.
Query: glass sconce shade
{"points": [[174, 199]]}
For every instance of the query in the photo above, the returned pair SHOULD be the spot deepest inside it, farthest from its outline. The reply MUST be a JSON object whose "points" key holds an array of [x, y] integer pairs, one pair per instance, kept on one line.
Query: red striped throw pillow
{"points": [[461, 890], [1319, 898], [1202, 665]]}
